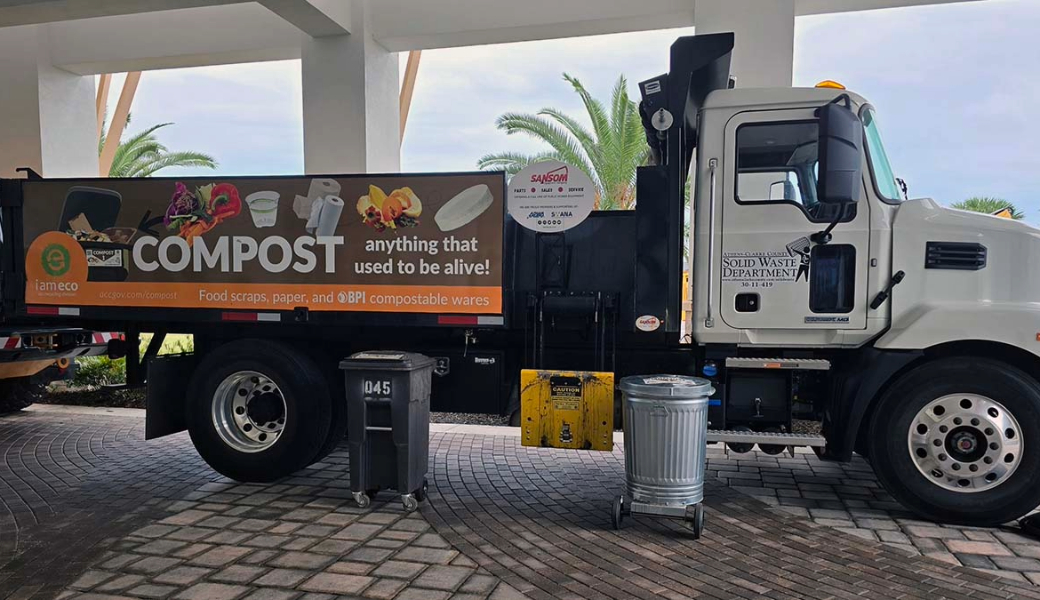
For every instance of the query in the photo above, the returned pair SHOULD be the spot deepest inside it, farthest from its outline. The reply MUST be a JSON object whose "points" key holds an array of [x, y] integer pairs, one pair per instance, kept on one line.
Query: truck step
{"points": [[792, 364], [760, 437]]}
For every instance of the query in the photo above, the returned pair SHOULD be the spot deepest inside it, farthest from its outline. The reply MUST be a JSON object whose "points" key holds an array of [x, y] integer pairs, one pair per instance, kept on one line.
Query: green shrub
{"points": [[97, 371]]}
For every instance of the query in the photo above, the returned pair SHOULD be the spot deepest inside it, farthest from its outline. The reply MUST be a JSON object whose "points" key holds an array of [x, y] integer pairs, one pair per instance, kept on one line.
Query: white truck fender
{"points": [[931, 324]]}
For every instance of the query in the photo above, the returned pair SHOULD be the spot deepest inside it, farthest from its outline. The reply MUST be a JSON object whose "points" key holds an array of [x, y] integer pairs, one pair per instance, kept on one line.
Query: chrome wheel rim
{"points": [[248, 411], [965, 443]]}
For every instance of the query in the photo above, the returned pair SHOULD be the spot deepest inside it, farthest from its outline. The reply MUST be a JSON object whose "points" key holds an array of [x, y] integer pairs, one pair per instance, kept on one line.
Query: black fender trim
{"points": [[859, 378]]}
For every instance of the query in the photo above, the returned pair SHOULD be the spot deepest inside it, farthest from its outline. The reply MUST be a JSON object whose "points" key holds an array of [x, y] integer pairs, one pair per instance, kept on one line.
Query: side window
{"points": [[777, 163]]}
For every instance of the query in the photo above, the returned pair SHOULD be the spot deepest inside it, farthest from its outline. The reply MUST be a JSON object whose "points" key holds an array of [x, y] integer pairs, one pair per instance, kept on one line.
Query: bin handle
{"points": [[374, 428]]}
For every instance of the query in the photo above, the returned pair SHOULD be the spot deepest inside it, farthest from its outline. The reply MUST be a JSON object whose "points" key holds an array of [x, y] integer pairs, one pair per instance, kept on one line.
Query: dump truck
{"points": [[909, 331]]}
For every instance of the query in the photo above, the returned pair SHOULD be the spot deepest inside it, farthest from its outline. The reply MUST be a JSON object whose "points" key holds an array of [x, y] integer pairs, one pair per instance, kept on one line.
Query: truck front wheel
{"points": [[257, 410], [957, 440]]}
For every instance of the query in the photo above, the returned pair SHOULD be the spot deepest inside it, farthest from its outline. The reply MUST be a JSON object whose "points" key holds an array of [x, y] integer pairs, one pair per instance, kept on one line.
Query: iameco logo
{"points": [[56, 260], [555, 176]]}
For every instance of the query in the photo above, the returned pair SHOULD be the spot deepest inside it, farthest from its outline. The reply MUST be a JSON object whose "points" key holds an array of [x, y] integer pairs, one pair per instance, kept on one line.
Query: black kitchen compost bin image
{"points": [[388, 424]]}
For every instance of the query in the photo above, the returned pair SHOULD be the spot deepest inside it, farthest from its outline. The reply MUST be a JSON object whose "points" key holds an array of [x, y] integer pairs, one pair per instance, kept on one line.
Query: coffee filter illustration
{"points": [[466, 206], [263, 206]]}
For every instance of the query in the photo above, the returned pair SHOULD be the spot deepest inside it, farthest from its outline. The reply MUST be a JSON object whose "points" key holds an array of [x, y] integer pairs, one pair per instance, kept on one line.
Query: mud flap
{"points": [[167, 379]]}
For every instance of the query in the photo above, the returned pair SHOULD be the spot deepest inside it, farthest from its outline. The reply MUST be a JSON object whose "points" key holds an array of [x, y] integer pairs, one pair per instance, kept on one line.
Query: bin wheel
{"points": [[410, 502], [363, 499], [421, 493], [696, 522], [618, 512]]}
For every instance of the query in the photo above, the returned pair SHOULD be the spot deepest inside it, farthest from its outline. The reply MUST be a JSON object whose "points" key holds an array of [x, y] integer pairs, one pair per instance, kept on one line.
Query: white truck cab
{"points": [[913, 328]]}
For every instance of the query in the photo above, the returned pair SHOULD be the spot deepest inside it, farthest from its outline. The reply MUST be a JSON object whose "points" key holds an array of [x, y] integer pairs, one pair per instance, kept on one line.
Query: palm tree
{"points": [[988, 205], [609, 153], [142, 155]]}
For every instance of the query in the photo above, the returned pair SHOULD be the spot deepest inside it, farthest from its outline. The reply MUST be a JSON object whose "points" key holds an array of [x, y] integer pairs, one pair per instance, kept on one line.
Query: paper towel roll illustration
{"points": [[320, 188], [466, 206], [325, 214]]}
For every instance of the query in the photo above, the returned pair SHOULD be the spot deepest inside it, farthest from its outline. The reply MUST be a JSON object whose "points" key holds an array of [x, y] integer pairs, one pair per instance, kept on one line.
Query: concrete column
{"points": [[764, 53], [48, 120], [351, 112]]}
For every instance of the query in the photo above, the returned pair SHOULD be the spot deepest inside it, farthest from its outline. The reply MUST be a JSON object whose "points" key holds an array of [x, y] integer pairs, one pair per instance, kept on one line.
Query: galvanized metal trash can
{"points": [[388, 424], [666, 429]]}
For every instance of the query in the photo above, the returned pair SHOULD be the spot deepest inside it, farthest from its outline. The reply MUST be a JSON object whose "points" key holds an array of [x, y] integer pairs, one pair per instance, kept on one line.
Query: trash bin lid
{"points": [[667, 386], [386, 360]]}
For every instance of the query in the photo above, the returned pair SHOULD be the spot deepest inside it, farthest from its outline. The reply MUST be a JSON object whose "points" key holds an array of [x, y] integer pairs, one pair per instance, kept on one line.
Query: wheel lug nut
{"points": [[937, 442], [975, 422], [973, 468], [942, 429], [993, 446], [942, 457], [988, 460], [957, 421], [956, 467], [988, 431]]}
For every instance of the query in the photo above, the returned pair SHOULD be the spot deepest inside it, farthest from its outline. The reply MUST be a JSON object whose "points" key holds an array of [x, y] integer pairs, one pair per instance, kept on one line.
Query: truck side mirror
{"points": [[840, 150]]}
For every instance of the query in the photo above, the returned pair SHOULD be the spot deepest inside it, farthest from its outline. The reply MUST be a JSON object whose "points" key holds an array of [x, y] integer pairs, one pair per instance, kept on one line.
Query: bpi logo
{"points": [[558, 175]]}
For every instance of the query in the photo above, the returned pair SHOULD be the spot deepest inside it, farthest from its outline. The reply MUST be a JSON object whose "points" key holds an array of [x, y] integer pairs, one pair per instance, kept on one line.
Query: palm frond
{"points": [[148, 167], [566, 146], [142, 155], [597, 114]]}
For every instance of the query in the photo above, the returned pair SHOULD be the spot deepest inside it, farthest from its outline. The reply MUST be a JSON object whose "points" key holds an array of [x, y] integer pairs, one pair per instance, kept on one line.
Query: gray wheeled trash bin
{"points": [[666, 429], [388, 424]]}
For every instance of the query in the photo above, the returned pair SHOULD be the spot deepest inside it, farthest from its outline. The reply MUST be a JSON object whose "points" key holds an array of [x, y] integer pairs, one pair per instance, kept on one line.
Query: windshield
{"points": [[884, 178]]}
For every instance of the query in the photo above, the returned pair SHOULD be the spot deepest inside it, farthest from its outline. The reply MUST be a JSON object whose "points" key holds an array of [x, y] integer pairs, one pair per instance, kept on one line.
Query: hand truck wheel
{"points": [[421, 493], [618, 512], [410, 502], [696, 522], [362, 499]]}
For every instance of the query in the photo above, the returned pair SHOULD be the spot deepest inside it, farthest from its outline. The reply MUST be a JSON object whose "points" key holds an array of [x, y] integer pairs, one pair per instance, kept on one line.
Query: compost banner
{"points": [[403, 243]]}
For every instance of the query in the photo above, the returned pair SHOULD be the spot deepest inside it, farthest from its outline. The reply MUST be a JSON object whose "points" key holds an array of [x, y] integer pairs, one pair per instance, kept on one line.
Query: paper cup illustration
{"points": [[263, 206], [466, 206]]}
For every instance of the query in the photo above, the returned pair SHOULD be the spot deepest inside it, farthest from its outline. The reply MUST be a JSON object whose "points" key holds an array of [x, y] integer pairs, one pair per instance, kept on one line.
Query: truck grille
{"points": [[963, 256]]}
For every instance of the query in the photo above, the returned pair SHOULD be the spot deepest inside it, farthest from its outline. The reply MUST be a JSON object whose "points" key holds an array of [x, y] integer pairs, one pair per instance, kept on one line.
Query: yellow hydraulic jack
{"points": [[567, 409]]}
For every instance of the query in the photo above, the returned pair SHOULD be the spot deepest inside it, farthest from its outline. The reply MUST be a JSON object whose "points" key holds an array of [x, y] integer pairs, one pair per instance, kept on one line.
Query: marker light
{"points": [[828, 83]]}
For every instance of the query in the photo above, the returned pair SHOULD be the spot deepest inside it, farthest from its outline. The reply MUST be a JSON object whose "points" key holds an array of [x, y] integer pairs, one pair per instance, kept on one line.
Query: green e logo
{"points": [[56, 260]]}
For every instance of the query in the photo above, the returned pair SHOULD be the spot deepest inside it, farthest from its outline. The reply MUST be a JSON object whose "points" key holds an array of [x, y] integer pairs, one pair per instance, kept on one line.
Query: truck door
{"points": [[773, 276]]}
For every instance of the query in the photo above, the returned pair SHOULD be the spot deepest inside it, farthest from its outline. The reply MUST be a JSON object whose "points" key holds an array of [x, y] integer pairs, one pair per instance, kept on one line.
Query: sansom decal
{"points": [[558, 175]]}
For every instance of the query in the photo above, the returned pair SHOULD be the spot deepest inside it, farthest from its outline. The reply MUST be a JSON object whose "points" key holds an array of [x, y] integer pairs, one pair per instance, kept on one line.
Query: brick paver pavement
{"points": [[92, 511]]}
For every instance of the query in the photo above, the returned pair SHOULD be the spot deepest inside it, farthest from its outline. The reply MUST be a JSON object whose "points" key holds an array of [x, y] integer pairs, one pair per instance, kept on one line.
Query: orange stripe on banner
{"points": [[485, 300]]}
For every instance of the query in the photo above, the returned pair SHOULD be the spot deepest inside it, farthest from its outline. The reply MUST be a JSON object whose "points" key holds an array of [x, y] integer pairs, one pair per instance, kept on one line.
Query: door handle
{"points": [[709, 318]]}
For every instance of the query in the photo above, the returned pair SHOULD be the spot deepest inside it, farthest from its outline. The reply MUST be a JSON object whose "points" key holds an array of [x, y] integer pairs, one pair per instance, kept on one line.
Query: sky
{"points": [[955, 86]]}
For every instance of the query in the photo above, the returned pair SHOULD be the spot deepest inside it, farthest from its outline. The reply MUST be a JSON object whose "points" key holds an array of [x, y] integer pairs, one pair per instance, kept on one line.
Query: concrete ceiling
{"points": [[150, 34]]}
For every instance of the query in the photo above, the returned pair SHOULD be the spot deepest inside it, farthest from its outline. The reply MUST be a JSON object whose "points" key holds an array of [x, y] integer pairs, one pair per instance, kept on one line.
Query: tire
{"points": [[338, 421], [933, 479], [282, 385], [18, 393]]}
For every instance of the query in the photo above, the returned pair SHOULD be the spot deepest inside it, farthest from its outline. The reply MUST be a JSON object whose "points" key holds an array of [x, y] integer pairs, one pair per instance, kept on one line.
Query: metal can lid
{"points": [[667, 386], [386, 360]]}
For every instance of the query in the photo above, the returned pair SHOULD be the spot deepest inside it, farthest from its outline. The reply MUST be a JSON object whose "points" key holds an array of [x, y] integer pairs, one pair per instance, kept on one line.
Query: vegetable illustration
{"points": [[193, 213], [380, 211]]}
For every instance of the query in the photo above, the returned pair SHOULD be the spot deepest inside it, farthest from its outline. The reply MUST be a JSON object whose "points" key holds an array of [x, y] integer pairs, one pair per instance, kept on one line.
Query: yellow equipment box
{"points": [[567, 409]]}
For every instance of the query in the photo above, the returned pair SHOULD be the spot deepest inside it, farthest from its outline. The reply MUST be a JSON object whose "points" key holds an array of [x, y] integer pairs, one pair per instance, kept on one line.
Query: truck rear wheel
{"points": [[18, 393], [258, 410], [958, 440]]}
